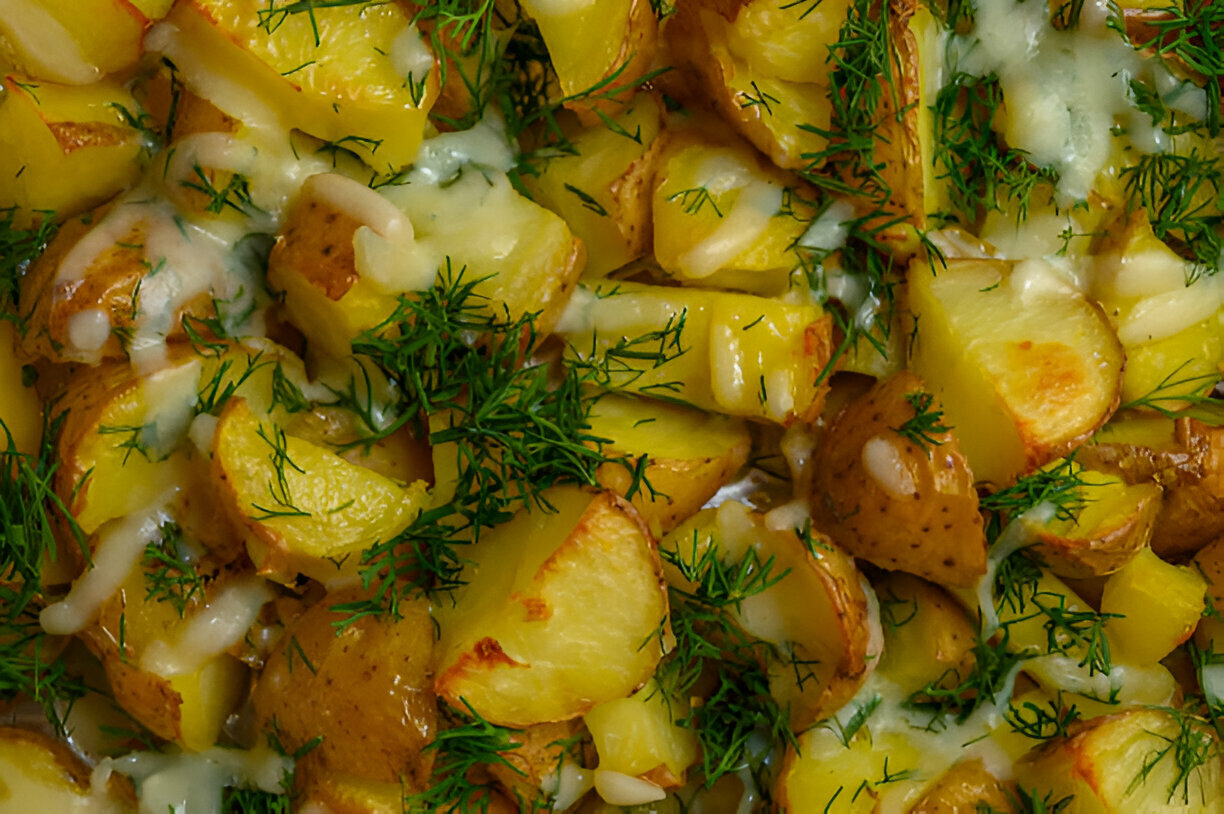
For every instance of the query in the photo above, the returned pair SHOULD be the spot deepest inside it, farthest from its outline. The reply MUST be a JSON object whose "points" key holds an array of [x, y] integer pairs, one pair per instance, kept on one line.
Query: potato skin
{"points": [[51, 770], [1193, 511], [368, 695], [964, 789], [925, 520], [1082, 553]]}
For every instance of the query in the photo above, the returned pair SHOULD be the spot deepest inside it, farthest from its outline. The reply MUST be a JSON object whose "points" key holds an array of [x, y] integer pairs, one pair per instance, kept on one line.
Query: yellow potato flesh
{"points": [[827, 777], [38, 773], [76, 42], [343, 87], [636, 735], [20, 412], [1024, 367], [64, 149], [328, 510], [1159, 603], [925, 633], [585, 40], [560, 612]]}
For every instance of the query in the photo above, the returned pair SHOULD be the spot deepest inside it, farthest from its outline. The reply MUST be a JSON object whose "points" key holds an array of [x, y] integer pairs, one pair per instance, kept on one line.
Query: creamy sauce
{"points": [[736, 231], [883, 460], [193, 783], [210, 631]]}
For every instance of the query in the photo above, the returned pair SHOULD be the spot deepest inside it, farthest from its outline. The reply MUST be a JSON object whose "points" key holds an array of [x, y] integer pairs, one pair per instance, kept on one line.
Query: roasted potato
{"points": [[542, 763], [306, 509], [690, 455], [559, 611], [825, 775], [40, 773], [1149, 760], [815, 617], [75, 44], [1209, 562], [604, 191], [333, 73], [927, 636], [64, 149], [728, 353], [966, 788], [365, 688], [1114, 524], [892, 486], [1020, 389], [20, 413], [600, 50], [637, 736], [1158, 607]]}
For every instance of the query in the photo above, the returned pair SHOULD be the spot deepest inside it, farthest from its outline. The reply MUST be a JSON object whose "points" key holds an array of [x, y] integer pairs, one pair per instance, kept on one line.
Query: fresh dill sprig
{"points": [[459, 749], [18, 248], [168, 575], [694, 199], [1181, 194], [235, 195], [1060, 485], [1189, 750], [1041, 721], [925, 423], [274, 16], [1191, 32], [957, 696], [1187, 391]]}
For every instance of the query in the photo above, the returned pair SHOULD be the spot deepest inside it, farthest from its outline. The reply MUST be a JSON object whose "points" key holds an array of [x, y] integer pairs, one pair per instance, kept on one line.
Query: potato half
{"points": [[560, 611], [1025, 366], [895, 489]]}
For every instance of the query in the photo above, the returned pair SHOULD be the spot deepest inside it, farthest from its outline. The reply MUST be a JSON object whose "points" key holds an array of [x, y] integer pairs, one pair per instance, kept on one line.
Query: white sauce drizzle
{"points": [[48, 50], [883, 461], [210, 631], [620, 789], [411, 57], [89, 329], [193, 783], [736, 232]]}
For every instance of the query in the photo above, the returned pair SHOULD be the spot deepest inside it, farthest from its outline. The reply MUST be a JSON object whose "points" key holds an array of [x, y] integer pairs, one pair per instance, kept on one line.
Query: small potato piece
{"points": [[307, 509], [40, 773], [1025, 367], [637, 736], [894, 497], [691, 455], [75, 43], [478, 222], [927, 636], [743, 355], [604, 191], [1114, 525], [966, 788], [1159, 603], [559, 612], [365, 688], [1129, 762], [825, 776], [64, 149], [815, 617], [342, 85], [1193, 511], [605, 45]]}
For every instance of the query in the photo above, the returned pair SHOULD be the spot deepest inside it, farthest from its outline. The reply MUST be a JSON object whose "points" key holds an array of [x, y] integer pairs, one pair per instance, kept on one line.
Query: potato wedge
{"points": [[762, 68], [1159, 605], [525, 257], [1113, 526], [560, 612], [265, 66], [927, 636], [306, 509], [815, 617], [691, 455], [603, 192], [600, 50], [1020, 389], [365, 688], [733, 354], [64, 149], [40, 773], [966, 788], [894, 488], [1131, 761], [76, 43]]}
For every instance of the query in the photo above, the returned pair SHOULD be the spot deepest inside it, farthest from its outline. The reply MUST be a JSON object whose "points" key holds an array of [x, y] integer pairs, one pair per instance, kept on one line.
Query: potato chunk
{"points": [[307, 510], [1025, 367], [74, 43], [561, 611], [39, 773], [1158, 606], [892, 486]]}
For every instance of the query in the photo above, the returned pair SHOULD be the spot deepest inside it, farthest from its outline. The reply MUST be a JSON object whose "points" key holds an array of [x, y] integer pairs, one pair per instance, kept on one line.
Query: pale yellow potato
{"points": [[74, 43], [364, 688], [690, 455], [64, 149], [40, 773], [893, 499], [600, 50], [345, 86], [525, 257], [603, 192], [826, 776], [815, 616], [1025, 367], [638, 736], [1114, 524], [20, 410], [1159, 605], [742, 355], [189, 708], [306, 509], [964, 789], [1100, 766], [723, 216], [927, 635], [559, 612]]}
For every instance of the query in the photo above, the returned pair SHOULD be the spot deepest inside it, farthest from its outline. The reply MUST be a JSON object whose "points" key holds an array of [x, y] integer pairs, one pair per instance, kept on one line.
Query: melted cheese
{"points": [[47, 49], [619, 789], [410, 56], [193, 783], [119, 546], [89, 329], [736, 232], [883, 461], [212, 630]]}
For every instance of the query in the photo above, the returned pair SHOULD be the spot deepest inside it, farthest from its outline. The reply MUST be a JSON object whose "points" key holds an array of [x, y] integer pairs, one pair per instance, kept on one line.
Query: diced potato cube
{"points": [[1159, 603], [638, 736]]}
